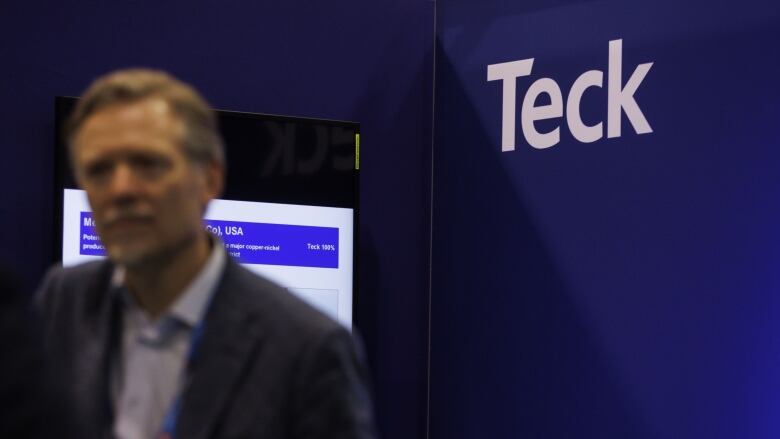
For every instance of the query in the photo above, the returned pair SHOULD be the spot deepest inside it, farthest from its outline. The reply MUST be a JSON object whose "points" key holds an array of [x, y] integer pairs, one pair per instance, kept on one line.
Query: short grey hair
{"points": [[202, 141]]}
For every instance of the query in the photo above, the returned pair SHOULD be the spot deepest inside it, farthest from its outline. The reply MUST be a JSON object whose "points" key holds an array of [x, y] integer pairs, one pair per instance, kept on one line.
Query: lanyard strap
{"points": [[171, 417]]}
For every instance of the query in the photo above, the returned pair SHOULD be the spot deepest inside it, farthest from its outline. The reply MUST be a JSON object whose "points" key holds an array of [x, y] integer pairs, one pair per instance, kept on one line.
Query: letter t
{"points": [[508, 72]]}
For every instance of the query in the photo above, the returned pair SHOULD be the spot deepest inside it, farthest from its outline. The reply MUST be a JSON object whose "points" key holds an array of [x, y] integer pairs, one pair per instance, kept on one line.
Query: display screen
{"points": [[288, 212]]}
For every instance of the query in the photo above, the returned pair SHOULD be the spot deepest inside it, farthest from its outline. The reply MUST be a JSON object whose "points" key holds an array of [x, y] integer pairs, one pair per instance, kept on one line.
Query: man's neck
{"points": [[156, 285]]}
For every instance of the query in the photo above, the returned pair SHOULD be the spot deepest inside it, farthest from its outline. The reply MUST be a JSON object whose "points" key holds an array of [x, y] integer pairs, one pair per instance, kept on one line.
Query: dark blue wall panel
{"points": [[625, 287], [365, 61]]}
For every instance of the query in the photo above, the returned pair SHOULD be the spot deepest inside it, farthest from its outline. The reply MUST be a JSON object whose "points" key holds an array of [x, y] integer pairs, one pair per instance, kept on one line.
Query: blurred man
{"points": [[169, 337]]}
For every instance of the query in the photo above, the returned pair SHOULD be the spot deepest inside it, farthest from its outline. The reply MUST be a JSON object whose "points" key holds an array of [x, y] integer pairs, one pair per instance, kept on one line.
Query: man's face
{"points": [[147, 196]]}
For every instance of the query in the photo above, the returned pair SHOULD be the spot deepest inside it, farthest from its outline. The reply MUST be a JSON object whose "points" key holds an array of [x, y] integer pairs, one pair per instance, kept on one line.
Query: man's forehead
{"points": [[147, 109], [127, 130], [149, 117]]}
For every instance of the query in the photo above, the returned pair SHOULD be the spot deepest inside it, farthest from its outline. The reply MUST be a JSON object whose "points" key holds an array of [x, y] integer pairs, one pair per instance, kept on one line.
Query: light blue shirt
{"points": [[149, 373]]}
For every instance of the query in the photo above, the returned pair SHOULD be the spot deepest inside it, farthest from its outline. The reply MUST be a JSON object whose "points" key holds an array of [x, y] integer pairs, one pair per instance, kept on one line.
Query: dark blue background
{"points": [[370, 62], [626, 288]]}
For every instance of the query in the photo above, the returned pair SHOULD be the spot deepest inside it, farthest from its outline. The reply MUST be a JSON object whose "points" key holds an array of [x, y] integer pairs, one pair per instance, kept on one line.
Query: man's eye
{"points": [[97, 170], [149, 166]]}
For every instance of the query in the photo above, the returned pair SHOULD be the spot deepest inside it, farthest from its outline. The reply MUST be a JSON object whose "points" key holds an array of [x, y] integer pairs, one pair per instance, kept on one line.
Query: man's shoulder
{"points": [[73, 285], [277, 308], [81, 271], [80, 276]]}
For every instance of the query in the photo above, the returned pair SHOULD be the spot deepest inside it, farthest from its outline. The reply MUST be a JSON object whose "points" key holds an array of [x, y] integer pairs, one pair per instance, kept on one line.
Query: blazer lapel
{"points": [[98, 336], [231, 335]]}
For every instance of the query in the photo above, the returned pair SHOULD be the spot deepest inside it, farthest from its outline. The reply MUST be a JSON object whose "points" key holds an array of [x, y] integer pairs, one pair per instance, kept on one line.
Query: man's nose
{"points": [[124, 183]]}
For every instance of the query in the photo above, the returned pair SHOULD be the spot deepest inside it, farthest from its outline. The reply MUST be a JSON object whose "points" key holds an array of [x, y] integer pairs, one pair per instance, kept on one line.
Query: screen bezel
{"points": [[63, 178]]}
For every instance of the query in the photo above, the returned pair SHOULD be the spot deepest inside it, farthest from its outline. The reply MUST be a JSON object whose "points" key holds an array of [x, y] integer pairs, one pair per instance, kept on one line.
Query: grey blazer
{"points": [[268, 365]]}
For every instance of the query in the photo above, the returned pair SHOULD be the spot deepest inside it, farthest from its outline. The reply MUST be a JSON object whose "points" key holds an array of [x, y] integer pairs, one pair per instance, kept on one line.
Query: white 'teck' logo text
{"points": [[619, 99]]}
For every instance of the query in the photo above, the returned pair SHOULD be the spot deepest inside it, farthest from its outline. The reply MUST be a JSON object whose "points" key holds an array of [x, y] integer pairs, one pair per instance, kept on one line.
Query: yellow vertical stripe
{"points": [[357, 150]]}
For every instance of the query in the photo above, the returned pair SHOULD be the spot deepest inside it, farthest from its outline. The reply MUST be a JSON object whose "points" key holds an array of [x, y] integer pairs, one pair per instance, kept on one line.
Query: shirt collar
{"points": [[191, 305]]}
